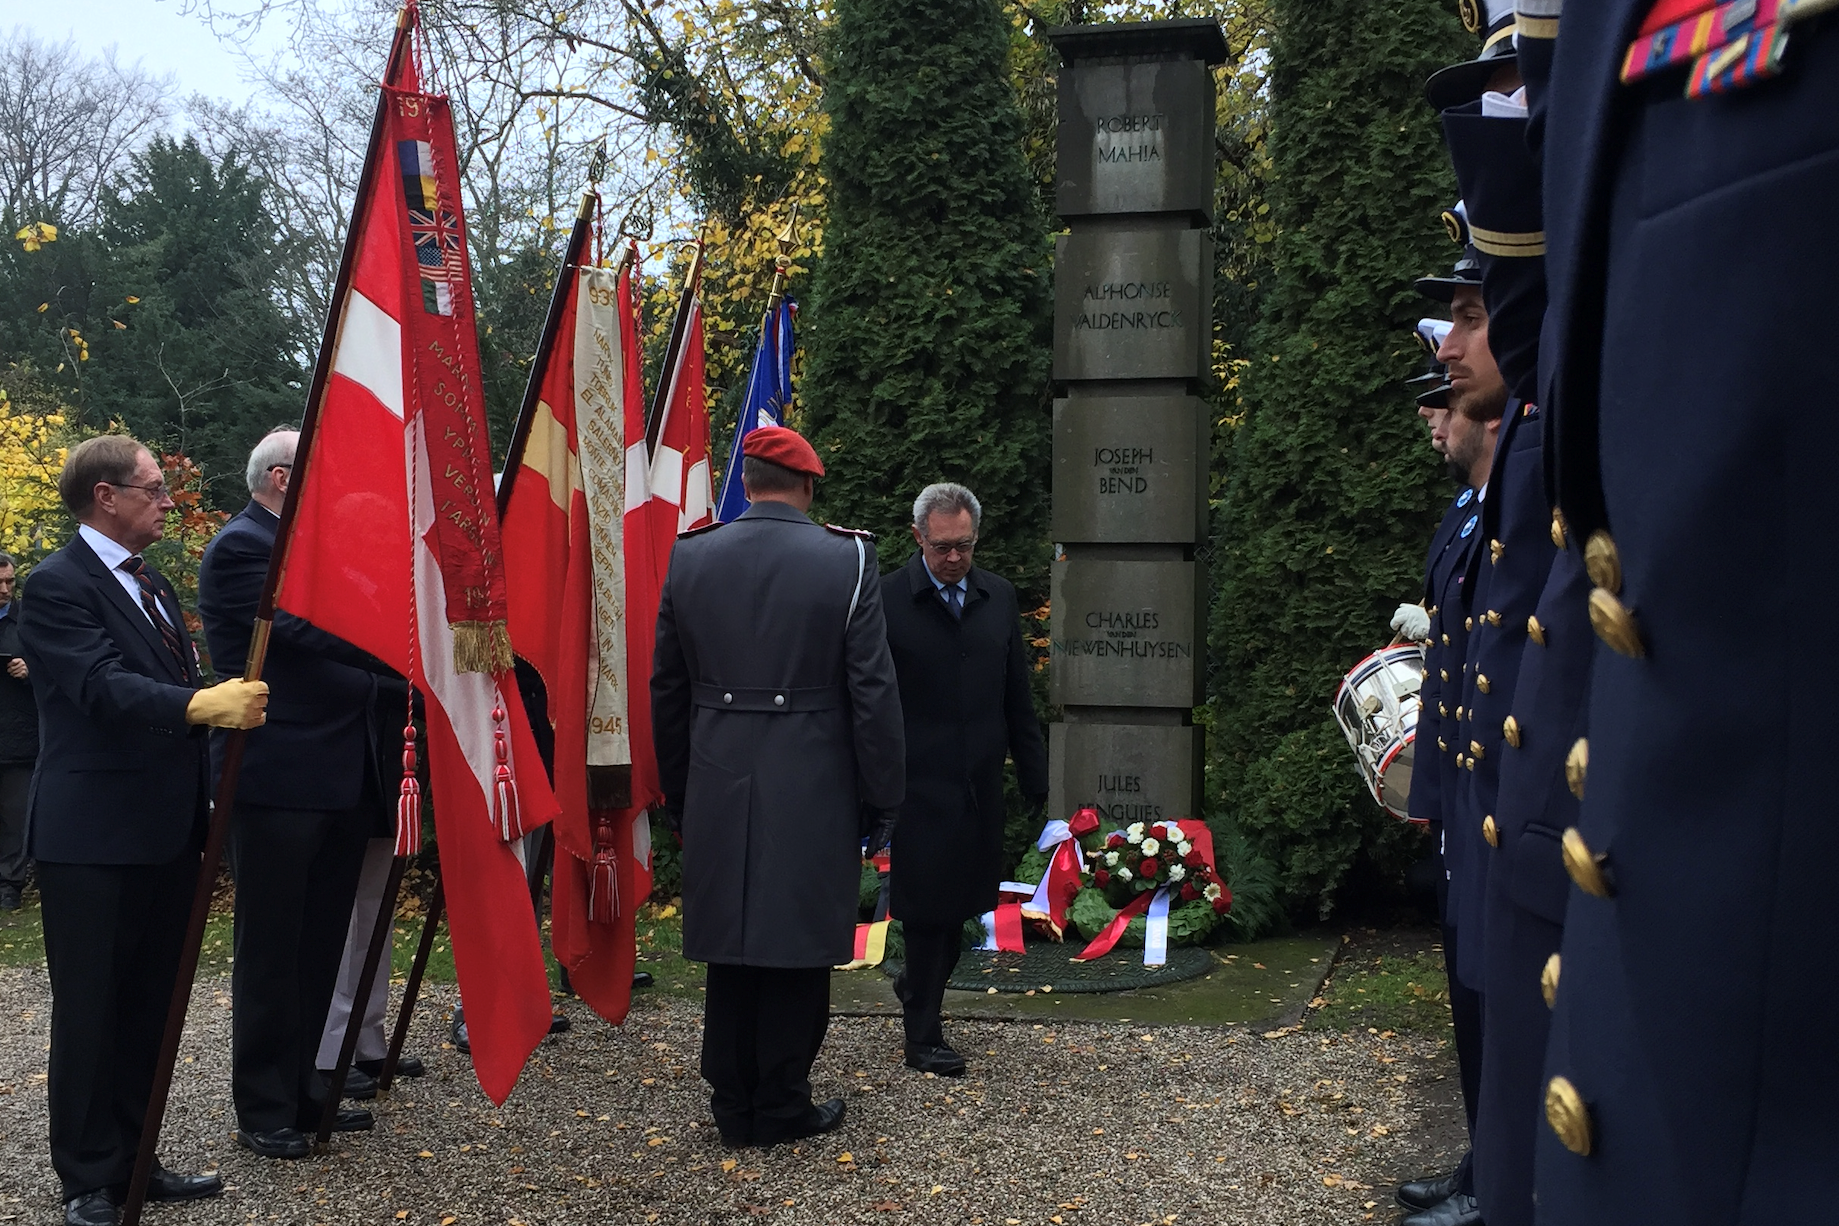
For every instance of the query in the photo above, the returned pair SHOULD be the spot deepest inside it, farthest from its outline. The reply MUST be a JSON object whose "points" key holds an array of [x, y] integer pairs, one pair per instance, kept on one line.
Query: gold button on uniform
{"points": [[1535, 630], [1490, 831], [1443, 710], [1569, 1118], [1468, 623], [1603, 563], [1446, 644], [1494, 617], [1576, 765], [1476, 751], [1558, 527], [1585, 866], [1459, 714], [1614, 624], [1548, 982], [1481, 683], [1495, 550], [1442, 745], [1444, 672], [1510, 728]]}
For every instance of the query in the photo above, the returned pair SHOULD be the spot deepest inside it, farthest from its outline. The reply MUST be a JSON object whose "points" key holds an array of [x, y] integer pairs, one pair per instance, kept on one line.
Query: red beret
{"points": [[784, 447]]}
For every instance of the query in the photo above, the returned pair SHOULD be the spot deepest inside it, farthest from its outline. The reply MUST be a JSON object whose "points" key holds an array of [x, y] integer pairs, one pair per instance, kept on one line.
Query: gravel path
{"points": [[1067, 1123]]}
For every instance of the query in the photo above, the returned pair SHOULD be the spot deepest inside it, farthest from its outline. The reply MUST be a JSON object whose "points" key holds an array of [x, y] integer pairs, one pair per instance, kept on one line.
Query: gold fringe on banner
{"points": [[481, 647]]}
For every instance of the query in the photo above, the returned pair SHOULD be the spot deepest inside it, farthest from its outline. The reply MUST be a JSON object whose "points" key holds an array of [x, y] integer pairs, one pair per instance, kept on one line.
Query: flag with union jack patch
{"points": [[436, 231]]}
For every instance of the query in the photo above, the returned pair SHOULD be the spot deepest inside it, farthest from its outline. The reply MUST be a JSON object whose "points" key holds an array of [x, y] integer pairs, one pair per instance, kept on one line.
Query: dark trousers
{"points": [[932, 954], [1465, 1017], [296, 876], [113, 934], [762, 1027], [15, 786]]}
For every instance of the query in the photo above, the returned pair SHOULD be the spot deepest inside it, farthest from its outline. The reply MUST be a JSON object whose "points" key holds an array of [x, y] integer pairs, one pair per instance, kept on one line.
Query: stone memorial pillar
{"points": [[1133, 315]]}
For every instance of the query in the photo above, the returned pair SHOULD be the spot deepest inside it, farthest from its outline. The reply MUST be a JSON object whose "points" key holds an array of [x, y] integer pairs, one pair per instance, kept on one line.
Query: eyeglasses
{"points": [[155, 492], [947, 548]]}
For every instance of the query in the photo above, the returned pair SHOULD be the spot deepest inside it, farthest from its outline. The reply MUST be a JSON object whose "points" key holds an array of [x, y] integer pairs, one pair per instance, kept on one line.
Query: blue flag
{"points": [[769, 394]]}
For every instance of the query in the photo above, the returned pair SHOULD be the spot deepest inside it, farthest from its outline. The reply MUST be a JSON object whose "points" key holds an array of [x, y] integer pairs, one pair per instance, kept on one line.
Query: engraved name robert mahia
{"points": [[1146, 128]]}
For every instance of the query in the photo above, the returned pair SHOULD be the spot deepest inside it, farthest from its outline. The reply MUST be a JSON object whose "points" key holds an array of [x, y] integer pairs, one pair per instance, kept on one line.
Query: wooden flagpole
{"points": [[679, 330], [225, 799]]}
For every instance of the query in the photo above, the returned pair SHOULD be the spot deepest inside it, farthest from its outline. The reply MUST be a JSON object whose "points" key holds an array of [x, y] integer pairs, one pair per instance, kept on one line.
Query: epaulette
{"points": [[864, 533], [708, 527]]}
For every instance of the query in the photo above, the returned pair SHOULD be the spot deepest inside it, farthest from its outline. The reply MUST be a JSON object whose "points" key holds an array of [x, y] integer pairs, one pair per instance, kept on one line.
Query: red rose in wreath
{"points": [[1188, 892], [1116, 840], [1101, 878], [1194, 859]]}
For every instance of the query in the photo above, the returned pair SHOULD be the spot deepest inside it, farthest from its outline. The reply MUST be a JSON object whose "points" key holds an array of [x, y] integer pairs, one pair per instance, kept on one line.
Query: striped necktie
{"points": [[149, 600], [954, 600]]}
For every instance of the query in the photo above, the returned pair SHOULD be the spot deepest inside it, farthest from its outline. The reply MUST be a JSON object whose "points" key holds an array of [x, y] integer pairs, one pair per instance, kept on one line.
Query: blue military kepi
{"points": [[1464, 82]]}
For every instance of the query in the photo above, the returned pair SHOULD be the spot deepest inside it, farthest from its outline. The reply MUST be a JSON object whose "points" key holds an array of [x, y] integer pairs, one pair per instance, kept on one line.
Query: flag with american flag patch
{"points": [[435, 230]]}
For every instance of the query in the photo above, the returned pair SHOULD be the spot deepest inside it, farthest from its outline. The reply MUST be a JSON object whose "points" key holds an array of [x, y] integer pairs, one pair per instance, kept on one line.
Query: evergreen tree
{"points": [[927, 325], [202, 362], [1331, 489]]}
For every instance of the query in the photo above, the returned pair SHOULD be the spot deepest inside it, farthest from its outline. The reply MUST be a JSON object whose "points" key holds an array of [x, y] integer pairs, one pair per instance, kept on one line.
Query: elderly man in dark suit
{"points": [[956, 634], [777, 724], [307, 799], [117, 814]]}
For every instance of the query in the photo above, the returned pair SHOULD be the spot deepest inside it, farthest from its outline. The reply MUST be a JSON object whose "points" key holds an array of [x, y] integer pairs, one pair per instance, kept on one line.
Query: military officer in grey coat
{"points": [[777, 720]]}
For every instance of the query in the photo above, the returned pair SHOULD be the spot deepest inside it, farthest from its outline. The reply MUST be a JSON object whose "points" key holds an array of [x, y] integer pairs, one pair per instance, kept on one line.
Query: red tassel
{"points": [[408, 803], [603, 880]]}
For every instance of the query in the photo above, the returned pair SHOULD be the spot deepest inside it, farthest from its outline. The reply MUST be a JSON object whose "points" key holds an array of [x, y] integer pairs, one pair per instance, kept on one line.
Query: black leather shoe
{"points": [[275, 1142], [91, 1209], [822, 1117], [350, 1119], [166, 1186], [406, 1066], [9, 898], [641, 979], [458, 1033], [1458, 1210], [1421, 1194], [941, 1060], [359, 1085], [558, 1023]]}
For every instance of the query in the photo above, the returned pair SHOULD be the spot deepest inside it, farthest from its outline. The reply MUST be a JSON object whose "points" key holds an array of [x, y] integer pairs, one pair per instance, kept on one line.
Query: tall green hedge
{"points": [[1330, 490], [927, 325]]}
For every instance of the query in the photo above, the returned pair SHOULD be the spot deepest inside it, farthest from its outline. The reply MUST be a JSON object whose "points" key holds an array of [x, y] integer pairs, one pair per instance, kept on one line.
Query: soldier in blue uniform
{"points": [[1691, 155], [1468, 448], [1534, 711]]}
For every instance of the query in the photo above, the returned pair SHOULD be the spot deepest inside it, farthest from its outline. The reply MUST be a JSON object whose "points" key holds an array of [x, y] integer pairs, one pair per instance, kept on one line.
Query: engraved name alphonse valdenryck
{"points": [[1148, 293]]}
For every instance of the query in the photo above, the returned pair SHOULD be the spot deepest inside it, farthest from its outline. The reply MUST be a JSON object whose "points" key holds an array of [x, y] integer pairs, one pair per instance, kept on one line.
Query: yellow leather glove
{"points": [[230, 704]]}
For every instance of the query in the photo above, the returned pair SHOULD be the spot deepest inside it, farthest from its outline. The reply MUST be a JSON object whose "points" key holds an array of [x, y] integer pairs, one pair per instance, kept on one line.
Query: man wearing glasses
{"points": [[310, 793], [117, 814], [956, 634]]}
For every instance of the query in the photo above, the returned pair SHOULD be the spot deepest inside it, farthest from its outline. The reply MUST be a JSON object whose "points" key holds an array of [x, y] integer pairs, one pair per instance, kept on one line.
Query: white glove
{"points": [[1412, 621]]}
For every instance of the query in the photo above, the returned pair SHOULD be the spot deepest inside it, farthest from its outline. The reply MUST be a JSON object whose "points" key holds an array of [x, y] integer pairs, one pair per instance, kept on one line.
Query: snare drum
{"points": [[1377, 707]]}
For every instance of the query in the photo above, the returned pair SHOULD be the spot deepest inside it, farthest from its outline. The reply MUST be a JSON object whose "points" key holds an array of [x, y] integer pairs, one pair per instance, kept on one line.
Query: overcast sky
{"points": [[156, 32]]}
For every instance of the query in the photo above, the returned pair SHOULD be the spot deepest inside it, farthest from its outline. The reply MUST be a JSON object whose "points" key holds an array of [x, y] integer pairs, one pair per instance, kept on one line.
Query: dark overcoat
{"points": [[775, 713], [120, 777], [965, 695], [1691, 390], [318, 747]]}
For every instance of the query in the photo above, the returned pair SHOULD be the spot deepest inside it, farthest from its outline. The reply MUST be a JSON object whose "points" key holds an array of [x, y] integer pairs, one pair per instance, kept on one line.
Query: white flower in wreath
{"points": [[1183, 848], [1123, 874], [1111, 859], [1212, 892], [1134, 832], [1177, 872], [1151, 847]]}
